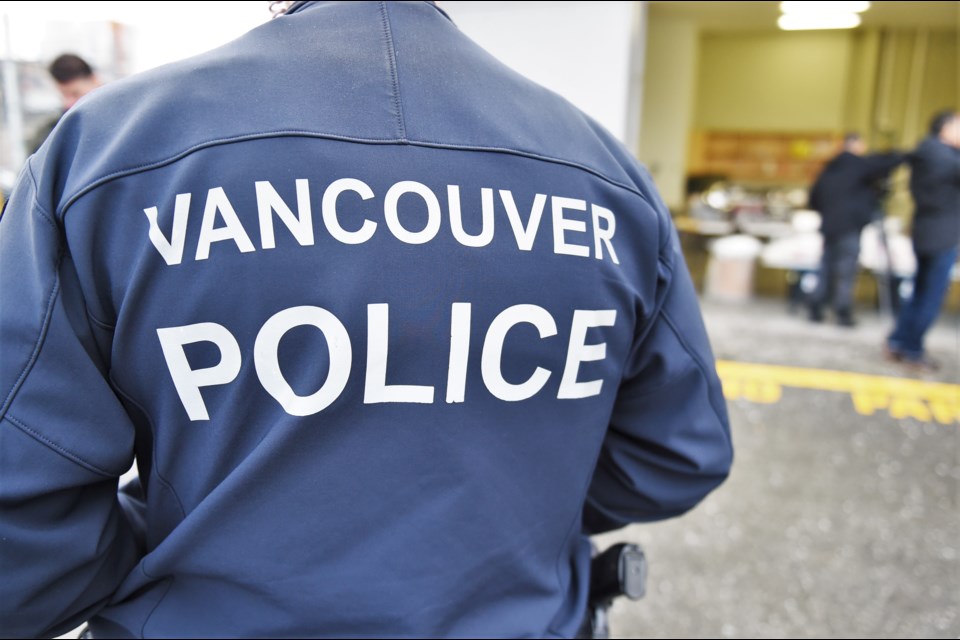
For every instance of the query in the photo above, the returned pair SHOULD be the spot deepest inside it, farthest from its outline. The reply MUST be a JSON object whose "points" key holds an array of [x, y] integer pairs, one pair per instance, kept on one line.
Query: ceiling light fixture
{"points": [[820, 7], [802, 22]]}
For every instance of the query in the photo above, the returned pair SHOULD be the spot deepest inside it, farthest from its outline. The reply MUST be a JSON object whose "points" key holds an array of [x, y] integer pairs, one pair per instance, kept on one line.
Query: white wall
{"points": [[581, 50], [168, 31], [156, 32]]}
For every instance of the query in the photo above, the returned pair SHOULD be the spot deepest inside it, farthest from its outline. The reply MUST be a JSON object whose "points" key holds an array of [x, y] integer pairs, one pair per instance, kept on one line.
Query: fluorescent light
{"points": [[821, 7], [801, 21]]}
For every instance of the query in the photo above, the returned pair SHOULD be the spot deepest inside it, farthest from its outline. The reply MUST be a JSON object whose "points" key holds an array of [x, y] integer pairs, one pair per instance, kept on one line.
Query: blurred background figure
{"points": [[935, 186], [847, 196], [75, 78]]}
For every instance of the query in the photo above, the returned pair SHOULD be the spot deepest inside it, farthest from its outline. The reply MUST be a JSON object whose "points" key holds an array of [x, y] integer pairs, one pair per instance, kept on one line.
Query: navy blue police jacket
{"points": [[387, 329]]}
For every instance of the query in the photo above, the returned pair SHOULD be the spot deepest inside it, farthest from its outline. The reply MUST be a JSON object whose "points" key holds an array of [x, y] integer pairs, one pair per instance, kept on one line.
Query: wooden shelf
{"points": [[766, 156]]}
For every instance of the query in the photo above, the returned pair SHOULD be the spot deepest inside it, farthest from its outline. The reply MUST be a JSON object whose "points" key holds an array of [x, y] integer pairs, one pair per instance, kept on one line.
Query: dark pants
{"points": [[930, 287], [838, 273]]}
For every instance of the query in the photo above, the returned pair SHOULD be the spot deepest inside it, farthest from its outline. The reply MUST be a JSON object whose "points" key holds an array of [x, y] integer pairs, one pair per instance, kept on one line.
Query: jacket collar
{"points": [[298, 6]]}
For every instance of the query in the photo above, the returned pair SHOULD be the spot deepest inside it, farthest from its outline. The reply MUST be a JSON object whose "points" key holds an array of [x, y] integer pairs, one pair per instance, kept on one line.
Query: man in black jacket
{"points": [[847, 196], [935, 186]]}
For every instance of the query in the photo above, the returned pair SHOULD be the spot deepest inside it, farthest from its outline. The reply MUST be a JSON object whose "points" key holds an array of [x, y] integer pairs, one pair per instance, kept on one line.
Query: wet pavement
{"points": [[836, 521]]}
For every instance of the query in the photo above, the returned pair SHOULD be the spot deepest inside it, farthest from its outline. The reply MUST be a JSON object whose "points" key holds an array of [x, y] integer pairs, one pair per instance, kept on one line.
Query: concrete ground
{"points": [[833, 523]]}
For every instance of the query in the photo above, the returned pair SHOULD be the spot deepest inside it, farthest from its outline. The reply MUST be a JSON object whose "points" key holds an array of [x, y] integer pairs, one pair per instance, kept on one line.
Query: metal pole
{"points": [[637, 65], [11, 94]]}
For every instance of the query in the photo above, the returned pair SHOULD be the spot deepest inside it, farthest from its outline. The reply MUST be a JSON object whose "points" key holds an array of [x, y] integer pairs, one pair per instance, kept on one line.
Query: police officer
{"points": [[387, 329]]}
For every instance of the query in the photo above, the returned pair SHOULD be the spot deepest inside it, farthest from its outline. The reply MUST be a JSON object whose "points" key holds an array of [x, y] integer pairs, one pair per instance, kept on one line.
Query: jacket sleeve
{"points": [[65, 543], [951, 161], [879, 165], [668, 444], [815, 197]]}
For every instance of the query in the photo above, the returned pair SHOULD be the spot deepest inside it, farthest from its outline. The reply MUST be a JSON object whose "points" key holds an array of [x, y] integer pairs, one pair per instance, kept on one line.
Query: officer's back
{"points": [[387, 326]]}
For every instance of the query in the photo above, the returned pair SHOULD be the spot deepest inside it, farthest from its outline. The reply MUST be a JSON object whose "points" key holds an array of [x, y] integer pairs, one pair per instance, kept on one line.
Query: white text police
{"points": [[188, 381]]}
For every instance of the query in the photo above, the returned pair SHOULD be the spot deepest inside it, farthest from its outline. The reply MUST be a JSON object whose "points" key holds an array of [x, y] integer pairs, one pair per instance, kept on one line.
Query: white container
{"points": [[730, 268]]}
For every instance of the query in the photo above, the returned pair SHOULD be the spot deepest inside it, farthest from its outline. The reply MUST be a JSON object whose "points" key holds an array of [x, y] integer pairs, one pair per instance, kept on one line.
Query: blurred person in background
{"points": [[211, 262], [847, 196], [75, 78], [935, 187]]}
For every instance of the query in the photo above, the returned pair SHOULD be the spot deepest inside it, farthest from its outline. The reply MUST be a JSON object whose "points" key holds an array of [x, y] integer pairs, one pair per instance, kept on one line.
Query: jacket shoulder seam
{"points": [[696, 359], [149, 166], [56, 448], [534, 156], [391, 51], [106, 326], [153, 609], [41, 338], [37, 206], [155, 461]]}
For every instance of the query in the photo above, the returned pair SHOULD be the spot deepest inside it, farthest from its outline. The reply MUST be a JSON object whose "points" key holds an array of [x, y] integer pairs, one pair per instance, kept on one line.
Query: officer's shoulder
{"points": [[509, 110]]}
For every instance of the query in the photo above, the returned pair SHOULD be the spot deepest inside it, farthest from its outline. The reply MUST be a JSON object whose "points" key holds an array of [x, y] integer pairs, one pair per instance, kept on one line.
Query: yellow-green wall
{"points": [[669, 84], [773, 81], [885, 84], [941, 88], [917, 76], [859, 101]]}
